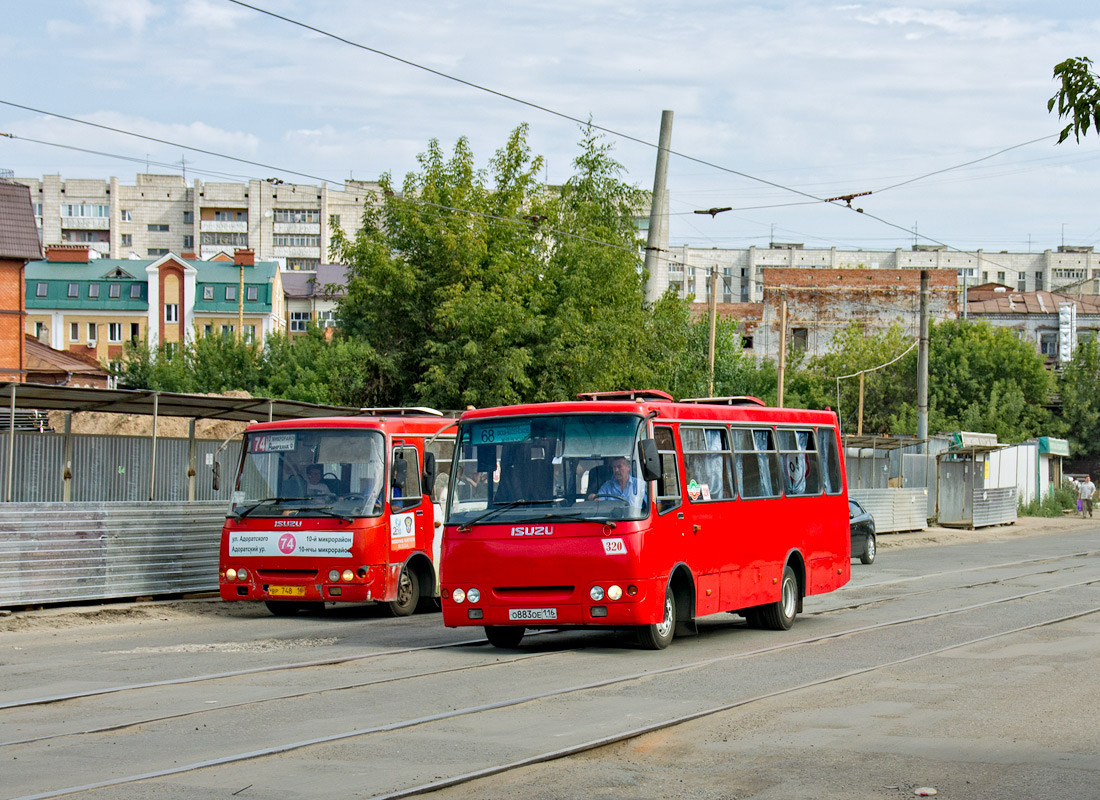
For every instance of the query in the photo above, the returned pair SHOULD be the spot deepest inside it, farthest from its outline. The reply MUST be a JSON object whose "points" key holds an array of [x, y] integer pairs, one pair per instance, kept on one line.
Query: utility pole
{"points": [[782, 348], [859, 417], [713, 324], [922, 360], [660, 179]]}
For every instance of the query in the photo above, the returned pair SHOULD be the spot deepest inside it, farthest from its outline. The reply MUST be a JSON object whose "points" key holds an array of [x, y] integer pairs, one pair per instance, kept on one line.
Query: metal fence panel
{"points": [[894, 509], [65, 552], [994, 506]]}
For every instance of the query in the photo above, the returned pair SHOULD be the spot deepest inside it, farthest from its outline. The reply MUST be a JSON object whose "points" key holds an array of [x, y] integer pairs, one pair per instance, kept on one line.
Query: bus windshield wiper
{"points": [[244, 512], [504, 507], [328, 512]]}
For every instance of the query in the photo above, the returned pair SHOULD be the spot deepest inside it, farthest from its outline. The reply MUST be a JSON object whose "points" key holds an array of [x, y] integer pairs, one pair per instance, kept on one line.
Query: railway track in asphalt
{"points": [[633, 686]]}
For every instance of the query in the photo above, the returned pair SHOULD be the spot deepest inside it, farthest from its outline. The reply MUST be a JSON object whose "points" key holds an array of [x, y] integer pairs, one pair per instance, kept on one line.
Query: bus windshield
{"points": [[313, 471], [572, 467]]}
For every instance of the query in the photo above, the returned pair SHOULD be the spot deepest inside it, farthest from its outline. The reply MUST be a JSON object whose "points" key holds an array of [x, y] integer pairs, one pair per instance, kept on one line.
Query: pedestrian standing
{"points": [[1086, 492]]}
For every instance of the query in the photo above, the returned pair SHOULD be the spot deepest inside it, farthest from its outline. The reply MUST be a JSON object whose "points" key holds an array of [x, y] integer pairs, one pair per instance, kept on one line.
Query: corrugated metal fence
{"points": [[65, 552], [894, 509]]}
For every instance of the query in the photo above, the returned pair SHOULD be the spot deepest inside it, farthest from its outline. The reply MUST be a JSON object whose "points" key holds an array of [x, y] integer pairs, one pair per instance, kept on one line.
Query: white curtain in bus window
{"points": [[831, 456], [801, 472], [757, 463], [707, 463]]}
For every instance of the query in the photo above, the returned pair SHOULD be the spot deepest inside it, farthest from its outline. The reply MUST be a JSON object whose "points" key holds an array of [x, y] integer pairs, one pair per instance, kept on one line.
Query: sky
{"points": [[778, 106]]}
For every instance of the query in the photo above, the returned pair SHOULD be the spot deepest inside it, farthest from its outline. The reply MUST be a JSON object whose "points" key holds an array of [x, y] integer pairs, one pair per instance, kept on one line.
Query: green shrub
{"points": [[1053, 505]]}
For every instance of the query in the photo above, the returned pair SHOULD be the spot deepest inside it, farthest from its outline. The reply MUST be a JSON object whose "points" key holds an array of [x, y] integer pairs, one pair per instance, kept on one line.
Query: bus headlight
{"points": [[334, 575], [458, 595], [596, 593], [231, 574], [614, 592], [347, 575], [242, 574], [474, 595]]}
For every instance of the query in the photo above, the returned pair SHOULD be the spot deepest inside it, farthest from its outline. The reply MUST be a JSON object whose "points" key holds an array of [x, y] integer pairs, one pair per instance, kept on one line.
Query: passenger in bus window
{"points": [[622, 484]]}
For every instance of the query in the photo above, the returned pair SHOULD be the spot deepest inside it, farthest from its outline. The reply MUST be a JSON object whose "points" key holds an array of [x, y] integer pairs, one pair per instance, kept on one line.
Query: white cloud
{"points": [[132, 14]]}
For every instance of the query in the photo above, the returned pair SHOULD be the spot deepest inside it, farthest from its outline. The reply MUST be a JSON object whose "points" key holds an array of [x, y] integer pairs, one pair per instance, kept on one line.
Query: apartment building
{"points": [[291, 224], [1071, 269], [94, 306]]}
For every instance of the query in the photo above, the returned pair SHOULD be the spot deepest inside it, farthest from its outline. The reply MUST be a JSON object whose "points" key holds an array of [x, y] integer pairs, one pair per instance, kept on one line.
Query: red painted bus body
{"points": [[642, 513], [337, 510]]}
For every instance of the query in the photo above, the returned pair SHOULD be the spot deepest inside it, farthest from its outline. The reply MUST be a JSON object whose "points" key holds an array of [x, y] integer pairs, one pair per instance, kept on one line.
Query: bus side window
{"points": [[798, 454], [707, 463], [405, 489], [668, 485], [830, 455], [757, 463], [444, 453]]}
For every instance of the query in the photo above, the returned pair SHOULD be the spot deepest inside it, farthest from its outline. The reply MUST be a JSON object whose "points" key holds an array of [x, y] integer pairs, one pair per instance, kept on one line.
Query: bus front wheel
{"points": [[659, 636], [779, 616], [408, 595], [504, 636]]}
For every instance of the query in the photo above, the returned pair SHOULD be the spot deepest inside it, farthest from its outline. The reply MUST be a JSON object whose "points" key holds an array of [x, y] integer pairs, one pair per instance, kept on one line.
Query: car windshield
{"points": [[312, 471], [578, 467]]}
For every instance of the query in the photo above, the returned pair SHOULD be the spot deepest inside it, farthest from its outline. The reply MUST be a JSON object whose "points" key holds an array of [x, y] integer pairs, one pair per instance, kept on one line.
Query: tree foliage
{"points": [[1078, 98], [1081, 400]]}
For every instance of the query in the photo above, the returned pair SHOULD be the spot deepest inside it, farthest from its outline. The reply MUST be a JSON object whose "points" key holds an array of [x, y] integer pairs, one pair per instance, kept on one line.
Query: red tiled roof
{"points": [[1031, 303]]}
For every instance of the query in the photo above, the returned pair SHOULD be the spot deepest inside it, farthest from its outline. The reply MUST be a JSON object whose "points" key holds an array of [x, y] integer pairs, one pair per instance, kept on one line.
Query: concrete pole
{"points": [[660, 179], [782, 349], [922, 359], [713, 325]]}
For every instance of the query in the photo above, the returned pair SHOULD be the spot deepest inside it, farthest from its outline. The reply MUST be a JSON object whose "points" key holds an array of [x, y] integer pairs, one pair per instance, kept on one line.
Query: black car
{"points": [[863, 532]]}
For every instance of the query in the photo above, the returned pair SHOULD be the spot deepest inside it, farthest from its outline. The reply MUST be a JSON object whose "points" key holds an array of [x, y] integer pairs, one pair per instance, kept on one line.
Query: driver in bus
{"points": [[622, 484], [315, 485]]}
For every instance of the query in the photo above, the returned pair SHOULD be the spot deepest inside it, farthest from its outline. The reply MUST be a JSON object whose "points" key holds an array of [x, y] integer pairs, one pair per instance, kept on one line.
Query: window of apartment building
{"points": [[188, 242], [1039, 281], [41, 289], [334, 220], [171, 312], [297, 240], [252, 292], [299, 321], [74, 290], [85, 210], [230, 292], [39, 329], [93, 332], [188, 217], [170, 349], [230, 216], [125, 215], [135, 332], [37, 209], [1069, 274], [985, 277], [326, 319], [1048, 343], [135, 291], [250, 333], [114, 332], [1001, 276], [800, 338], [114, 290], [93, 291], [157, 227], [1021, 284], [220, 239], [127, 239], [157, 251], [746, 343], [208, 293], [74, 331], [227, 330], [297, 215], [207, 330], [303, 263]]}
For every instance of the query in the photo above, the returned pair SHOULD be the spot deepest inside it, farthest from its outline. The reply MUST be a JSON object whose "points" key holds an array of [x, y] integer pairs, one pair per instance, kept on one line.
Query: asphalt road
{"points": [[961, 661]]}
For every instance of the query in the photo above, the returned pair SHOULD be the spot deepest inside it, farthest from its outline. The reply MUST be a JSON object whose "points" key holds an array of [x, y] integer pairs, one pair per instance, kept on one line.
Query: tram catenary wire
{"points": [[622, 679]]}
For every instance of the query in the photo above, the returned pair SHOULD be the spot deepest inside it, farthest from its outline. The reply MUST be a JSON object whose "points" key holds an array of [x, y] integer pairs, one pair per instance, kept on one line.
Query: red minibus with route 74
{"points": [[630, 510], [338, 510]]}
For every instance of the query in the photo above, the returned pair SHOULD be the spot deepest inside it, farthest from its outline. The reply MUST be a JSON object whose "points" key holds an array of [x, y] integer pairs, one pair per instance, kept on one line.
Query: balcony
{"points": [[86, 223], [213, 226]]}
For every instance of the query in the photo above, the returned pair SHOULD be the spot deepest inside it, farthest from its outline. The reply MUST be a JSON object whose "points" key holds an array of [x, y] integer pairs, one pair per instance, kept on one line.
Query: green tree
{"points": [[1081, 400], [1078, 98]]}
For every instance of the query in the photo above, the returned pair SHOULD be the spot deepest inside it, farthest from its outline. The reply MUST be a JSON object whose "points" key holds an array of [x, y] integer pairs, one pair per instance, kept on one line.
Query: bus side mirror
{"points": [[429, 473], [651, 460], [217, 480]]}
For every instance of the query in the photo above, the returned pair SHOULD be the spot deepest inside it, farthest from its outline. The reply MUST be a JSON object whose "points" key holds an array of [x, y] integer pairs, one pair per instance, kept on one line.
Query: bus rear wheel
{"points": [[779, 616], [408, 595], [659, 636], [504, 636]]}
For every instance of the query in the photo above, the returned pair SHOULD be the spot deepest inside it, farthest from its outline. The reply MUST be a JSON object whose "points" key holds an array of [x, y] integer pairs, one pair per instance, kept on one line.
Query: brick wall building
{"points": [[18, 245]]}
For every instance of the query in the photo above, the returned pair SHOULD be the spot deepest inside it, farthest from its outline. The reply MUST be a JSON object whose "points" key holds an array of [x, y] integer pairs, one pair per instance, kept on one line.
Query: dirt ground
{"points": [[1024, 526]]}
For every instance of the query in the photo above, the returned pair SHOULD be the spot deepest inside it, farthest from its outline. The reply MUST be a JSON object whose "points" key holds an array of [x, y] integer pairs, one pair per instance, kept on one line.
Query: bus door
{"points": [[411, 519], [443, 451], [716, 542], [759, 478]]}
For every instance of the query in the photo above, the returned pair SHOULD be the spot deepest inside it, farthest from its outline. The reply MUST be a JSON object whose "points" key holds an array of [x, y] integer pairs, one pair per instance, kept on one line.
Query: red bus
{"points": [[338, 509], [630, 510]]}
